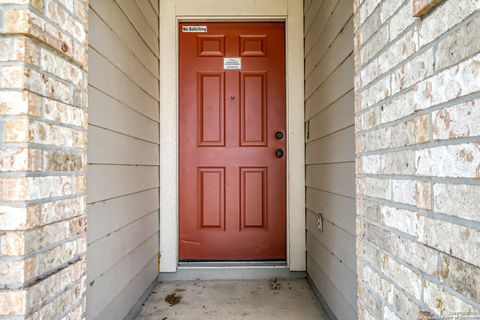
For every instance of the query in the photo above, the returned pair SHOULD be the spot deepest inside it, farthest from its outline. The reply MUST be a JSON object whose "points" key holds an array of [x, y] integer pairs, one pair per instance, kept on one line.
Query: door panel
{"points": [[232, 184], [211, 190], [211, 112], [253, 197], [253, 109]]}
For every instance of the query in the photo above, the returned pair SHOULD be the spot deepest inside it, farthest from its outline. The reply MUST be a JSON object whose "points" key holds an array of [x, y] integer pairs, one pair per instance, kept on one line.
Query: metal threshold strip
{"points": [[231, 270], [232, 264]]}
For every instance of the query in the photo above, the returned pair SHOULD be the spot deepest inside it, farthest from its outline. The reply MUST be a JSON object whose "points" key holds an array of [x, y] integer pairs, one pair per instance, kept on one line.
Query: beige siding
{"points": [[330, 152], [123, 155]]}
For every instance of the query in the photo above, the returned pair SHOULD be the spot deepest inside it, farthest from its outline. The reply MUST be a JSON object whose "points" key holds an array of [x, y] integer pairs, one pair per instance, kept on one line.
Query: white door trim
{"points": [[171, 13]]}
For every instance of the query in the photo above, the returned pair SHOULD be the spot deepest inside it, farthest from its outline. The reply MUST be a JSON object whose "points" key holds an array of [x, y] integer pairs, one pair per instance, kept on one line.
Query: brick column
{"points": [[417, 89], [43, 136]]}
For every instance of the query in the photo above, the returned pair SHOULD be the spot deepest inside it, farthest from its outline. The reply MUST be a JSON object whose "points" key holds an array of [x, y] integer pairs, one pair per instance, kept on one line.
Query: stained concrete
{"points": [[238, 299]]}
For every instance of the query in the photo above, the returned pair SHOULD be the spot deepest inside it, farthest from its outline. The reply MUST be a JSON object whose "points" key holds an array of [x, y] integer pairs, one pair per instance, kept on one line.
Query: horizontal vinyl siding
{"points": [[330, 153], [123, 155]]}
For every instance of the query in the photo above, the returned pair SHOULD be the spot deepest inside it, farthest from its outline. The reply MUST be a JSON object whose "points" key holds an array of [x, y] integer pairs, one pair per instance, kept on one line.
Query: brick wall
{"points": [[417, 90], [42, 158]]}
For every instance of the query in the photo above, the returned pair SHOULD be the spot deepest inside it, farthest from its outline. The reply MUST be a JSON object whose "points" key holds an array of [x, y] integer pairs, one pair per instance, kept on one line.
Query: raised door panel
{"points": [[211, 109], [211, 192], [253, 109], [211, 46], [253, 198]]}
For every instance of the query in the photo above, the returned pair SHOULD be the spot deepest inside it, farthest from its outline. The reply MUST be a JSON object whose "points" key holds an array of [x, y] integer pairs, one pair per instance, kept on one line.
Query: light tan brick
{"points": [[460, 276], [375, 140], [378, 236], [403, 305], [12, 243], [461, 242], [397, 108], [399, 163], [376, 43], [13, 189], [61, 304], [48, 134], [458, 121], [47, 187], [366, 9], [12, 49], [423, 195], [416, 254], [403, 276], [63, 161], [80, 185], [65, 21], [12, 302], [371, 164], [422, 129], [399, 51], [458, 200], [20, 159], [375, 93], [374, 304], [444, 18], [402, 220], [82, 245], [389, 314], [21, 77], [455, 82], [57, 256], [401, 20], [63, 209], [19, 218], [19, 103], [78, 225], [404, 191], [16, 272], [80, 139], [379, 285], [369, 27], [402, 134], [413, 71], [65, 114], [58, 66], [462, 44], [388, 8], [370, 118], [15, 21], [443, 302], [377, 188], [54, 284], [16, 130], [369, 210], [461, 160]]}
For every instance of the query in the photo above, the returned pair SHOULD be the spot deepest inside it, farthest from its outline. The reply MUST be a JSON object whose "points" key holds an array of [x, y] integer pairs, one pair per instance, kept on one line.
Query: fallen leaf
{"points": [[173, 299]]}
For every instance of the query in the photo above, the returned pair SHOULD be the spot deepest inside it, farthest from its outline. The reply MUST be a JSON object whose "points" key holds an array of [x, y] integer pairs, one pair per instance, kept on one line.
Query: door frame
{"points": [[172, 12]]}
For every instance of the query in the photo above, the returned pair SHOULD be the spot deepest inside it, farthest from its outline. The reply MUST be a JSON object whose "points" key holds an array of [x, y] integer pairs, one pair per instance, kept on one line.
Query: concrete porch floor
{"points": [[236, 299]]}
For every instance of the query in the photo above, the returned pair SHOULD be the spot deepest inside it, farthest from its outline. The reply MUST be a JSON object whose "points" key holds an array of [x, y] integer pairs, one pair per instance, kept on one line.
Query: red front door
{"points": [[232, 136]]}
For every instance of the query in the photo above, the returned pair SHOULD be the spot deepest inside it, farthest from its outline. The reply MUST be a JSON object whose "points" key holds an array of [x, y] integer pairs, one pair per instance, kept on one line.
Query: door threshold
{"points": [[231, 264], [241, 270]]}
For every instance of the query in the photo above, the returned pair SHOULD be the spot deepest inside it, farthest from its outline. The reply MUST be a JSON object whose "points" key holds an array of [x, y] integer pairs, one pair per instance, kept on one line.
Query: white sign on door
{"points": [[194, 28], [232, 63]]}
